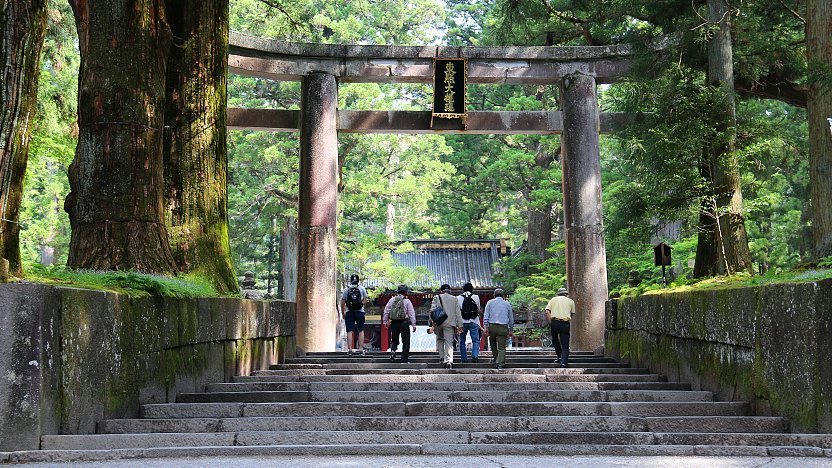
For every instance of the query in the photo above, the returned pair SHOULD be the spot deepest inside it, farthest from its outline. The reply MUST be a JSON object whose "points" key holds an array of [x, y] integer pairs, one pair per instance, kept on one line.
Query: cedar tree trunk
{"points": [[723, 242], [115, 203], [819, 55], [195, 155], [539, 224], [23, 26]]}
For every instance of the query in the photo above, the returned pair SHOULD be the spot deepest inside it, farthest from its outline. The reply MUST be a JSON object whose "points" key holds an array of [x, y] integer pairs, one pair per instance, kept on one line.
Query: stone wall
{"points": [[72, 357], [769, 345]]}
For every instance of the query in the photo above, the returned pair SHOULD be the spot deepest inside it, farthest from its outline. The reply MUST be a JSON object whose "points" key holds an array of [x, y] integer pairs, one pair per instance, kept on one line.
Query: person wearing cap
{"points": [[352, 311], [446, 330], [498, 321], [397, 313], [559, 312]]}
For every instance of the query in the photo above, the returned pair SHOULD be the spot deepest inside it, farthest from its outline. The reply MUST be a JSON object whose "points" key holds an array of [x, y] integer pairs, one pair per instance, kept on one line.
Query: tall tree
{"points": [[723, 242], [819, 54], [116, 178], [195, 154], [23, 26]]}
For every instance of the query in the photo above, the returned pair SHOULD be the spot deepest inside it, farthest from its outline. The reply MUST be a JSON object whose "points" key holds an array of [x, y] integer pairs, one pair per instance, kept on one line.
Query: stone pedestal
{"points": [[586, 267], [317, 211]]}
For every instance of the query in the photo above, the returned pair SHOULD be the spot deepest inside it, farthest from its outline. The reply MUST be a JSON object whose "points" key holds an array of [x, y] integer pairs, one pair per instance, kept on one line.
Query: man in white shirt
{"points": [[470, 310]]}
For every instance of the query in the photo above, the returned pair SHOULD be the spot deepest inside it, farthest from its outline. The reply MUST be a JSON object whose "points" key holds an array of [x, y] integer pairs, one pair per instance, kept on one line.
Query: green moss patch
{"points": [[126, 282]]}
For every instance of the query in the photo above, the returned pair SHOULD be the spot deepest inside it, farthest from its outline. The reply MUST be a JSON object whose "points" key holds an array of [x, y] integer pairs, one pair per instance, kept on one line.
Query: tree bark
{"points": [[723, 242], [195, 157], [819, 57], [116, 179], [23, 27], [539, 224]]}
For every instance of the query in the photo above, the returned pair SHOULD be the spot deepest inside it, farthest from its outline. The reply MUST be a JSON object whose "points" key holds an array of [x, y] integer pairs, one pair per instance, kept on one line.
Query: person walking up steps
{"points": [[445, 330], [352, 305], [559, 312], [498, 321], [469, 305], [397, 313]]}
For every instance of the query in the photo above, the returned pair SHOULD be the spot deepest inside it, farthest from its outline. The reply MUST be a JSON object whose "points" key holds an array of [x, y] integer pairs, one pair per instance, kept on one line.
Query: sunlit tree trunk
{"points": [[195, 154], [819, 54], [23, 26], [116, 178], [723, 242]]}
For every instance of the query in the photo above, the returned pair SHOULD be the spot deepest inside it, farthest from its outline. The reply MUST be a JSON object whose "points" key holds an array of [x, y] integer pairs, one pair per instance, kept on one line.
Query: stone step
{"points": [[255, 438], [439, 370], [76, 456], [364, 366], [509, 352], [434, 360], [450, 423], [470, 378], [309, 409], [445, 396], [442, 386]]}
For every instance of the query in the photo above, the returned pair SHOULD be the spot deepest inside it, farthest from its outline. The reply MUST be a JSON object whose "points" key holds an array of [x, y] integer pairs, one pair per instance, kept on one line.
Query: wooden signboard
{"points": [[450, 77]]}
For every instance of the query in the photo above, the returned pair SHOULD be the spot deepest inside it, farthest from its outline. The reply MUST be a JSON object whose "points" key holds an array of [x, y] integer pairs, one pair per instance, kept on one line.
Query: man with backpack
{"points": [[397, 313], [352, 309], [469, 305]]}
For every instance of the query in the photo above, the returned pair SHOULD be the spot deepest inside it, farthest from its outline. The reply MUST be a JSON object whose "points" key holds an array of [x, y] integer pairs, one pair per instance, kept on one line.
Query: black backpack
{"points": [[469, 307], [355, 300]]}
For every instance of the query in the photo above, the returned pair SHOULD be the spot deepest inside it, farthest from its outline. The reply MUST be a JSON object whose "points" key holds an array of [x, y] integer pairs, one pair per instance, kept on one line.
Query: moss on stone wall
{"points": [[113, 352], [768, 345]]}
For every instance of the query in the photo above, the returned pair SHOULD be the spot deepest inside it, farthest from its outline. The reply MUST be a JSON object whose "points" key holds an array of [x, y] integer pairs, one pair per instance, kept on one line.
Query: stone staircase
{"points": [[339, 404]]}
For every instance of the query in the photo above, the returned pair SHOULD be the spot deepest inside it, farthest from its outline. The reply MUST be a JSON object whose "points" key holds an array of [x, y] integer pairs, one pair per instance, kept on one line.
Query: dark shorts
{"points": [[354, 320]]}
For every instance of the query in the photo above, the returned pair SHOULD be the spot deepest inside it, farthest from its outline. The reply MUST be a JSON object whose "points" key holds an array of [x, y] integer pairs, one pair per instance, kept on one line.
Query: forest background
{"points": [[400, 187]]}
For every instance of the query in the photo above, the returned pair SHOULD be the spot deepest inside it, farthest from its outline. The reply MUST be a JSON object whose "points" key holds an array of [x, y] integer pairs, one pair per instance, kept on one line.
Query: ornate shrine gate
{"points": [[320, 67]]}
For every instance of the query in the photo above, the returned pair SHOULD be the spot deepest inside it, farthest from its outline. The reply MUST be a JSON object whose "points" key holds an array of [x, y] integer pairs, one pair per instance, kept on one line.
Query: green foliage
{"points": [[44, 224], [129, 282], [371, 256], [532, 283]]}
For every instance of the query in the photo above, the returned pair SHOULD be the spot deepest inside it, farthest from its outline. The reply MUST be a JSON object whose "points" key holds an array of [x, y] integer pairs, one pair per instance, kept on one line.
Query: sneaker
{"points": [[500, 367], [476, 360], [563, 365], [449, 365], [363, 351]]}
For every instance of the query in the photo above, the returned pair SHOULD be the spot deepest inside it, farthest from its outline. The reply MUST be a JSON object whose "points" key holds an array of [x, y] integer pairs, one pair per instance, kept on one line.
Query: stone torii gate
{"points": [[319, 67]]}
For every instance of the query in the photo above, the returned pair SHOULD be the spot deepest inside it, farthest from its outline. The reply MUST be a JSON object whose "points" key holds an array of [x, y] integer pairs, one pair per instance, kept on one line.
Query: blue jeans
{"points": [[474, 328]]}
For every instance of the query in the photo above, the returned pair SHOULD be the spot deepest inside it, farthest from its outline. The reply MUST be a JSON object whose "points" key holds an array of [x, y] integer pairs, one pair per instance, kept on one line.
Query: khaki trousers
{"points": [[445, 343]]}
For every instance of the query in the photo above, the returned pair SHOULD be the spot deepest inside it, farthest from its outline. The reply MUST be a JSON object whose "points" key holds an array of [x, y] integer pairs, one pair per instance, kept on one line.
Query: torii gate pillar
{"points": [[317, 212], [586, 258]]}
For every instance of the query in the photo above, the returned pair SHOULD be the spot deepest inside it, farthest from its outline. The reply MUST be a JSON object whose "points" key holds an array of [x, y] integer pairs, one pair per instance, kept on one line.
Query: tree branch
{"points": [[773, 87], [277, 6], [796, 14]]}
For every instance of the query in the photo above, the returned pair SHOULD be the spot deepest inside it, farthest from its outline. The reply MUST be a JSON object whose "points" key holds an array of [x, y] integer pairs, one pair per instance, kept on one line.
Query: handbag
{"points": [[438, 316]]}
